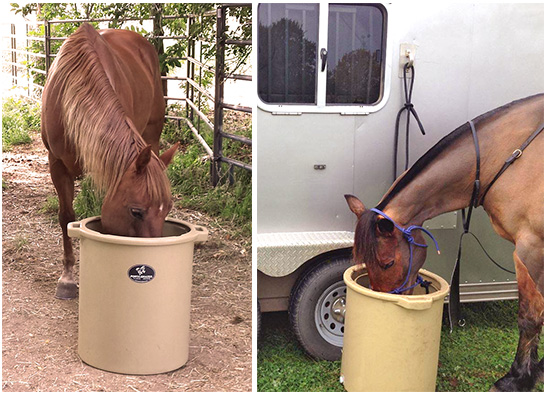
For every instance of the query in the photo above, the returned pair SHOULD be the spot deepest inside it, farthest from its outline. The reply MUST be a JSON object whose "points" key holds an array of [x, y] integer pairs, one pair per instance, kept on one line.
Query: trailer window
{"points": [[291, 40], [354, 54], [287, 51]]}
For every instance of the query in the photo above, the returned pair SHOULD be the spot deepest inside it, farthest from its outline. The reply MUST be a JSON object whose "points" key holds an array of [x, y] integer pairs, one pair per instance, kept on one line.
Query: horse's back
{"points": [[132, 49]]}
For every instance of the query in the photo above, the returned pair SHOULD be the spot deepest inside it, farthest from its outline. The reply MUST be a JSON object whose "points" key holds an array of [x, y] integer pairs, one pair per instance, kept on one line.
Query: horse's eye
{"points": [[137, 213], [388, 265]]}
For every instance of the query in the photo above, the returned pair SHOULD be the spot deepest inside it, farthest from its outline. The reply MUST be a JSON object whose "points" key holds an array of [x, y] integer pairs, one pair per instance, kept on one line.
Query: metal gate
{"points": [[194, 90]]}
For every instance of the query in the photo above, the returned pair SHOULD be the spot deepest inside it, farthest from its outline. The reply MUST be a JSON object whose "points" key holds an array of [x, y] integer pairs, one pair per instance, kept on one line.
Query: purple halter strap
{"points": [[407, 234]]}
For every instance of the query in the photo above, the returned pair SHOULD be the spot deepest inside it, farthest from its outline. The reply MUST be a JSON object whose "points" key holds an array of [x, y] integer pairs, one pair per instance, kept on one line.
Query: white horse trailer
{"points": [[330, 85]]}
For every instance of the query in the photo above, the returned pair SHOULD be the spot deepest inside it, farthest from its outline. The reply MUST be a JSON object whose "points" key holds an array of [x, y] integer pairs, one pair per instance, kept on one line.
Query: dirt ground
{"points": [[40, 333]]}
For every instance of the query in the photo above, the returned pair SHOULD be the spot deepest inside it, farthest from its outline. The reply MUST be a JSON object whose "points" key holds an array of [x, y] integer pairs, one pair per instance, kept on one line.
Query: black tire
{"points": [[318, 327]]}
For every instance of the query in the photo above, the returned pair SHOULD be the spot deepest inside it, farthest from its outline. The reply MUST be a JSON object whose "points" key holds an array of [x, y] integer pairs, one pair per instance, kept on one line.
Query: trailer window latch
{"points": [[323, 59]]}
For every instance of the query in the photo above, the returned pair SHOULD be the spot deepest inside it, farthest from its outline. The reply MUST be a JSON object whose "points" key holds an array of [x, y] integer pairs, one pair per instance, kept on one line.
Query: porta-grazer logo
{"points": [[141, 273]]}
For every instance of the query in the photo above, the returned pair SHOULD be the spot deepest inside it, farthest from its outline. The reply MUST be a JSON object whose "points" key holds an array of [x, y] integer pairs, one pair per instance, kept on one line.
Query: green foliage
{"points": [[282, 366], [203, 27], [239, 124], [236, 55], [19, 117], [190, 180], [472, 358], [189, 174], [88, 202], [173, 131], [51, 206], [20, 242]]}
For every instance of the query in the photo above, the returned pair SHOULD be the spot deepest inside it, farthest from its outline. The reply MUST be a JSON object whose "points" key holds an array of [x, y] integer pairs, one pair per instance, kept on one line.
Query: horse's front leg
{"points": [[67, 287], [525, 370]]}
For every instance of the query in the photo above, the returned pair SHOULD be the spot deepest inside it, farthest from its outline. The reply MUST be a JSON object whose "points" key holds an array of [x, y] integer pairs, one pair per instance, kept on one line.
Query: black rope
{"points": [[409, 107], [487, 255], [454, 312]]}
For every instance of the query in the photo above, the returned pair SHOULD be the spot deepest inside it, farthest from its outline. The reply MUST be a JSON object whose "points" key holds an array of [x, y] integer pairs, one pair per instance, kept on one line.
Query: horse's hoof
{"points": [[66, 290]]}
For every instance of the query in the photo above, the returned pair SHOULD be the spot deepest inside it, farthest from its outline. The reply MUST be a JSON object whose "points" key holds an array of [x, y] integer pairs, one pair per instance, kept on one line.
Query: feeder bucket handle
{"points": [[203, 234], [73, 229], [417, 305]]}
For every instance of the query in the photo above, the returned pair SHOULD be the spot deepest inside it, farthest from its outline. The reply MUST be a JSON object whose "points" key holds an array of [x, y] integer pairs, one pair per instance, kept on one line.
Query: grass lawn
{"points": [[471, 358]]}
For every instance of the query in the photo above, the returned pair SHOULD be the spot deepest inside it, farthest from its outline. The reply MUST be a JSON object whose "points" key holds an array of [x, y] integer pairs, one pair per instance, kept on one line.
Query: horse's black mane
{"points": [[437, 149]]}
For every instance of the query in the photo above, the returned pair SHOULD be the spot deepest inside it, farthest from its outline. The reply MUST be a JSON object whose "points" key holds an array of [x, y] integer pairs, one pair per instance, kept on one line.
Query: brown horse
{"points": [[441, 181], [102, 113]]}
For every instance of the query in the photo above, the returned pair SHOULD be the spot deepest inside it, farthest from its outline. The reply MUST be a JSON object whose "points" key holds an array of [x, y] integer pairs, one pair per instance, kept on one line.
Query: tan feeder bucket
{"points": [[391, 342], [134, 297]]}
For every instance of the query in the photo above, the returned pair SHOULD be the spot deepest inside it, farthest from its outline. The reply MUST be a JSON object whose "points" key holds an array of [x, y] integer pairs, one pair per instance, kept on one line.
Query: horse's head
{"points": [[139, 205], [384, 250]]}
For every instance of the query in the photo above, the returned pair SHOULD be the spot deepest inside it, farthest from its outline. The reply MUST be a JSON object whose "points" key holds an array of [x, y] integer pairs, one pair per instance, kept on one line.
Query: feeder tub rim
{"points": [[79, 229], [417, 302]]}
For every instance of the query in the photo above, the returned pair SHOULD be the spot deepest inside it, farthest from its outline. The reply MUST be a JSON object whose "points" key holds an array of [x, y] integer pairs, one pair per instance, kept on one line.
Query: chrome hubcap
{"points": [[330, 312]]}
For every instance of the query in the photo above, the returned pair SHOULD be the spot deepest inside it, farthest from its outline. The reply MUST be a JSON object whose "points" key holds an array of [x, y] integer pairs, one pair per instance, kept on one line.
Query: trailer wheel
{"points": [[317, 308]]}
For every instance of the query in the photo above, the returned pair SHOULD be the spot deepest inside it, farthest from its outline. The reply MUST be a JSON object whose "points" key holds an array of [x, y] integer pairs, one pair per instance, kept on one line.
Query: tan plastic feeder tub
{"points": [[391, 342], [135, 297]]}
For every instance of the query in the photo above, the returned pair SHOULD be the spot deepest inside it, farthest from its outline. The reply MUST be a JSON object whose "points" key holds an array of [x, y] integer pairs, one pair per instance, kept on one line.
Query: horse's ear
{"points": [[168, 155], [355, 205], [143, 159], [385, 227]]}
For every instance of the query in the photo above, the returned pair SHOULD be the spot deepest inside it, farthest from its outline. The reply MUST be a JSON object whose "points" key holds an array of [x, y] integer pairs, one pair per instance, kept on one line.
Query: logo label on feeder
{"points": [[141, 273]]}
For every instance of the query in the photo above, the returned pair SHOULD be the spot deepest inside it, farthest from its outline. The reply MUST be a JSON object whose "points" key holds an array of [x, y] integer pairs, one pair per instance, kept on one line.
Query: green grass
{"points": [[283, 366], [51, 206], [21, 242], [19, 118], [470, 359], [87, 203], [189, 173], [475, 356]]}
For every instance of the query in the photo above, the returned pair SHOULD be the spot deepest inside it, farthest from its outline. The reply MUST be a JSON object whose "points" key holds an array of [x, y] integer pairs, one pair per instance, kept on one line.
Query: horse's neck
{"points": [[445, 185], [115, 73]]}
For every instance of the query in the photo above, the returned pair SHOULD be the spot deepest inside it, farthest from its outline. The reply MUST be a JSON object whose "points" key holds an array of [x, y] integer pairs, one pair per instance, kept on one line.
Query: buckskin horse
{"points": [[102, 114], [387, 237]]}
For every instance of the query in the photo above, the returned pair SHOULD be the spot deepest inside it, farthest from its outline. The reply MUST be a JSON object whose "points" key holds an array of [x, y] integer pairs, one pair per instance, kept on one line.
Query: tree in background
{"points": [[202, 28]]}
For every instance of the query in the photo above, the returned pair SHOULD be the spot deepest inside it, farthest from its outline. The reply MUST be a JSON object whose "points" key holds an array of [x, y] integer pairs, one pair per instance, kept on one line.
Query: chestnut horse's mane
{"points": [[95, 123]]}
